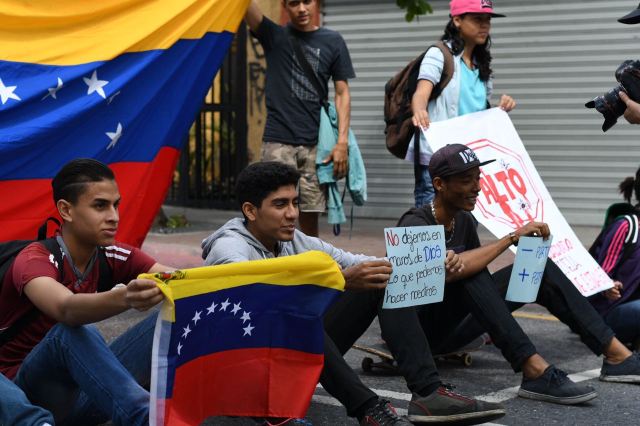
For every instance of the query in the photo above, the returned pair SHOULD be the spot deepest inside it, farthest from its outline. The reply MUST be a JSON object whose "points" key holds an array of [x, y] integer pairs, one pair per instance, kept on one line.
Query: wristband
{"points": [[514, 238]]}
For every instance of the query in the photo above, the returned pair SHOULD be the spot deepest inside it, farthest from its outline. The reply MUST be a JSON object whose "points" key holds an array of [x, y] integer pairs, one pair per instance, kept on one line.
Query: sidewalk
{"points": [[182, 247]]}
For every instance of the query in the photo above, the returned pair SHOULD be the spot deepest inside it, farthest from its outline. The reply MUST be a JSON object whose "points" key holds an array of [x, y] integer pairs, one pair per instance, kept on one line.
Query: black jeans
{"points": [[350, 317], [482, 296], [411, 333]]}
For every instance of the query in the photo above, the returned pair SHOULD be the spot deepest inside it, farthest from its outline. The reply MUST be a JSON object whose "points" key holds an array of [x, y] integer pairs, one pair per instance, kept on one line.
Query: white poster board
{"points": [[512, 193], [417, 254]]}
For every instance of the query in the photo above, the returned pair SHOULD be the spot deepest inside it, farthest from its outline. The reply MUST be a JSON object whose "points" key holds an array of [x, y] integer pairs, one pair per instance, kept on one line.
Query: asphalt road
{"points": [[489, 377]]}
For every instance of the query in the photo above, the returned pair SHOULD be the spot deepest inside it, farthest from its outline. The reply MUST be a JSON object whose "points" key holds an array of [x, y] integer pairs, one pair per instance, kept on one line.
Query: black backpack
{"points": [[10, 249], [398, 93]]}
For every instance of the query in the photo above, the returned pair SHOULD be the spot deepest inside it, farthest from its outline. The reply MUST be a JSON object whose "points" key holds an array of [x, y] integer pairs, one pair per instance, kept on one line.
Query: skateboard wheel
{"points": [[466, 360], [367, 364]]}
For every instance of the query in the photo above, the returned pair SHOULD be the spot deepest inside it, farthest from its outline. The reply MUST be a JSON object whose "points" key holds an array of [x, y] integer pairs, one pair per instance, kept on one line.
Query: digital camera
{"points": [[610, 105]]}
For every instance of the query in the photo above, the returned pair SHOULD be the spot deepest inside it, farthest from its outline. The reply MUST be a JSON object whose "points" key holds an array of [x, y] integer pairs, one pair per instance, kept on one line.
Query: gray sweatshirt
{"points": [[234, 243]]}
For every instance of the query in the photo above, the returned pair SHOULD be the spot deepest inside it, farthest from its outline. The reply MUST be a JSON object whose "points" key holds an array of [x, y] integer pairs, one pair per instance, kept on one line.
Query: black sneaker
{"points": [[444, 406], [628, 371], [554, 386], [383, 414]]}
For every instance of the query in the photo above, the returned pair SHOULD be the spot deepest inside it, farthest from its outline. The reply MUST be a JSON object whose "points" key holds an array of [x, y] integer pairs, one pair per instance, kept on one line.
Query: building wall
{"points": [[550, 56], [256, 68]]}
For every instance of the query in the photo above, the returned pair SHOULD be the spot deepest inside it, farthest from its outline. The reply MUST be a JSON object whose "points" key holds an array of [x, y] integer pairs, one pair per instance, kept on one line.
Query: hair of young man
{"points": [[481, 53], [70, 182], [258, 180]]}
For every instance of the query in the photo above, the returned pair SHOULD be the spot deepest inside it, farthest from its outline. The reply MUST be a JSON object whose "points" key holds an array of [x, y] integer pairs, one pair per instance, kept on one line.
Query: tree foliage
{"points": [[414, 8]]}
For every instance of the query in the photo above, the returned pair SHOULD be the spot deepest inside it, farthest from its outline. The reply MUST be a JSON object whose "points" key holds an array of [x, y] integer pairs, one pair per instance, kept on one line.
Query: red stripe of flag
{"points": [[244, 382], [143, 187]]}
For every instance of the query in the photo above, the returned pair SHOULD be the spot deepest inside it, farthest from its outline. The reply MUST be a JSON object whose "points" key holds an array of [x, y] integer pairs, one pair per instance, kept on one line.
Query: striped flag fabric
{"points": [[242, 339], [120, 81]]}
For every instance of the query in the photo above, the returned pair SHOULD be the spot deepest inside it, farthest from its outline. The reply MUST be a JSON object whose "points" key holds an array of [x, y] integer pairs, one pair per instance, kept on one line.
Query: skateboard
{"points": [[386, 364]]}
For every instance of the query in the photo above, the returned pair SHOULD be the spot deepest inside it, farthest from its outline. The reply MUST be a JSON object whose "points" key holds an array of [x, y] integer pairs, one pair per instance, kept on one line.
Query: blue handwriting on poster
{"points": [[528, 267], [417, 255]]}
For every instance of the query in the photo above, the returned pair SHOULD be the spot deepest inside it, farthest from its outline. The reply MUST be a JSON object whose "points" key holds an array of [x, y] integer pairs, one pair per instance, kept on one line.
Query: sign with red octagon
{"points": [[508, 193]]}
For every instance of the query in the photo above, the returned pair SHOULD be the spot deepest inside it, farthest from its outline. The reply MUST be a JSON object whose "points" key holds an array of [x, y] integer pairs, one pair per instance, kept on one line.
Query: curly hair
{"points": [[481, 53], [258, 180]]}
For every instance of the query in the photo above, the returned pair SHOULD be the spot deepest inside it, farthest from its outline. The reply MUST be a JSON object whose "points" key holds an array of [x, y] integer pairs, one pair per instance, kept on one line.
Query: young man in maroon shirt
{"points": [[61, 363]]}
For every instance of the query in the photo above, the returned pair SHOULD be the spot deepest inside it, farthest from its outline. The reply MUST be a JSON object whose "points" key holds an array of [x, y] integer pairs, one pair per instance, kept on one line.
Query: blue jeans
{"points": [[624, 320], [82, 381], [423, 192], [17, 410]]}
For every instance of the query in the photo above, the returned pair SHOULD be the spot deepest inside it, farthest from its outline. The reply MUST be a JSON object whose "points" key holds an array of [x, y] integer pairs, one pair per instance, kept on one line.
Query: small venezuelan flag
{"points": [[243, 339], [120, 81]]}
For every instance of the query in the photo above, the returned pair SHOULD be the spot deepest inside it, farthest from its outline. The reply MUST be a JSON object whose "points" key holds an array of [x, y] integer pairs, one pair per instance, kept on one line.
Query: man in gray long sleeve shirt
{"points": [[267, 192]]}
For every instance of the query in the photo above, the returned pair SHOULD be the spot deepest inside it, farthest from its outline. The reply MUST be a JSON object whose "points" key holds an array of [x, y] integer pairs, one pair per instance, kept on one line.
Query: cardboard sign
{"points": [[528, 268], [513, 194], [417, 254]]}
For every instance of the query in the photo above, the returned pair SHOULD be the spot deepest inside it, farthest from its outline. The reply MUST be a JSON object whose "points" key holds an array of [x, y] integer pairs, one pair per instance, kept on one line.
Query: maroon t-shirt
{"points": [[35, 261]]}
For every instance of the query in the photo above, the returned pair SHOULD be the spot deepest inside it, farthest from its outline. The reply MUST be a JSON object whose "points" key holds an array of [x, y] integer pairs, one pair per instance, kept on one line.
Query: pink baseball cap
{"points": [[459, 7]]}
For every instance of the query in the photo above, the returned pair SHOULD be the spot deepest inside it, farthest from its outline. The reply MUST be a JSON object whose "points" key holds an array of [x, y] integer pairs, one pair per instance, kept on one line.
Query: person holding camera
{"points": [[632, 113]]}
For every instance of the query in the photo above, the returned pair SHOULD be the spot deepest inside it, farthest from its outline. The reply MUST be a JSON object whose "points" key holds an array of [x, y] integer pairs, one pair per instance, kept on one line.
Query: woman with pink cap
{"points": [[467, 36]]}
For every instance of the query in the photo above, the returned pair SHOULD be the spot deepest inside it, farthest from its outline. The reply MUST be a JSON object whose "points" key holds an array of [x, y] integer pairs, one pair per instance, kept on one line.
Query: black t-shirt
{"points": [[465, 234], [293, 106]]}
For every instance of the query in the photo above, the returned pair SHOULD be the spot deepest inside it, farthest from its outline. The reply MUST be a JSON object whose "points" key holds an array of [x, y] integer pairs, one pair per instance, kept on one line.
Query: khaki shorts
{"points": [[302, 158]]}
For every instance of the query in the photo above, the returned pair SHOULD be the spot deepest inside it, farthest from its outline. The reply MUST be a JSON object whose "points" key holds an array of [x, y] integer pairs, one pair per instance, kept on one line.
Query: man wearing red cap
{"points": [[455, 170]]}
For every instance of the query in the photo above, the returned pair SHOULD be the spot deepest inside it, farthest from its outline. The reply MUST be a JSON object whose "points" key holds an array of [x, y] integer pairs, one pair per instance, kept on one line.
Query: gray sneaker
{"points": [[383, 414], [554, 386], [446, 406], [628, 371]]}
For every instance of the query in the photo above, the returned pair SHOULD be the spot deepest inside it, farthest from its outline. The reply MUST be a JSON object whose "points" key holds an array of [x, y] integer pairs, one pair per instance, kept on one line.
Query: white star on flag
{"points": [[187, 330], [54, 90], [246, 316], [179, 348], [247, 330], [6, 93], [211, 309], [224, 305], [95, 85], [236, 308], [196, 317], [114, 136]]}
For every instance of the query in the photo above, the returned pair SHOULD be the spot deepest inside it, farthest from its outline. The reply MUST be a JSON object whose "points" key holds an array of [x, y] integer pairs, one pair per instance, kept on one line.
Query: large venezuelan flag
{"points": [[243, 339], [116, 80]]}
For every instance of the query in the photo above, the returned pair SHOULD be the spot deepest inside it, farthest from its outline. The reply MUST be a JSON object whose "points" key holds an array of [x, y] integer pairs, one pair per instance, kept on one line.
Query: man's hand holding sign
{"points": [[513, 201]]}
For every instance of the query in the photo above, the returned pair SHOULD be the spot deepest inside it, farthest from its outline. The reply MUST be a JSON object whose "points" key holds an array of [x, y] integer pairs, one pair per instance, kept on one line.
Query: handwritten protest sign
{"points": [[417, 254], [528, 267], [513, 194]]}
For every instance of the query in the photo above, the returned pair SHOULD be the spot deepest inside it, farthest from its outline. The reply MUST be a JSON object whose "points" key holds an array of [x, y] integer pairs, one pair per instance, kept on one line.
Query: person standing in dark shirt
{"points": [[455, 170], [293, 104]]}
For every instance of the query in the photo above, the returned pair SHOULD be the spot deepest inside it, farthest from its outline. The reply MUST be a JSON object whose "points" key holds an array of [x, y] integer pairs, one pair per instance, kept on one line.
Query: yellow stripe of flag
{"points": [[72, 32], [314, 267]]}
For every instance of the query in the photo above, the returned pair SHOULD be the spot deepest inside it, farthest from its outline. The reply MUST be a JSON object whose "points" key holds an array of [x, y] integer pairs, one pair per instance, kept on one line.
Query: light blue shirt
{"points": [[473, 92], [446, 105]]}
